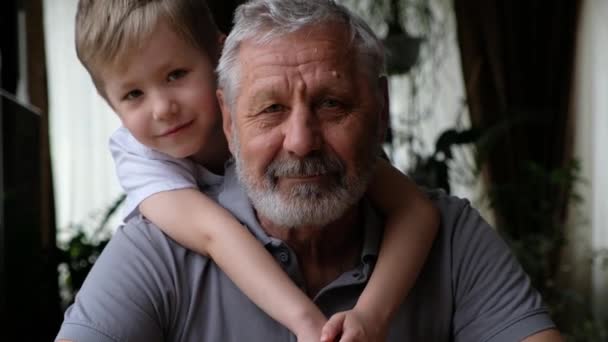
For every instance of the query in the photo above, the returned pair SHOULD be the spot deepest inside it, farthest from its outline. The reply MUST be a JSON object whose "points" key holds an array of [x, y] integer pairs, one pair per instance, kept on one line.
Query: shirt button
{"points": [[283, 257]]}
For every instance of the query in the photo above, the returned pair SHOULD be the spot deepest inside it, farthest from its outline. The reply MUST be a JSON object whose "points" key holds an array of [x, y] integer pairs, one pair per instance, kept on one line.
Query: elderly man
{"points": [[304, 108]]}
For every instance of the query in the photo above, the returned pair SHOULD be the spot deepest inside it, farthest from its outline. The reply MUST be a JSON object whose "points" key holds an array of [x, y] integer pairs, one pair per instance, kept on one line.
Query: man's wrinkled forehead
{"points": [[322, 49], [257, 58]]}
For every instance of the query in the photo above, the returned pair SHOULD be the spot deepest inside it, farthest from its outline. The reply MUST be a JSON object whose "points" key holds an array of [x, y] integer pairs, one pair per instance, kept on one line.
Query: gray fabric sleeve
{"points": [[493, 298], [127, 294]]}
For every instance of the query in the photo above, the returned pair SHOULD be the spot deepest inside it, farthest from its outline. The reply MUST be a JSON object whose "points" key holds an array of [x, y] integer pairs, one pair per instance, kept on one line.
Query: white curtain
{"points": [[80, 124], [591, 108]]}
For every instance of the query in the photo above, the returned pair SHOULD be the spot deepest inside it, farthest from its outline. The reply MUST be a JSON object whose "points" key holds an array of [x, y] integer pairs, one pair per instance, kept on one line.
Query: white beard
{"points": [[306, 204]]}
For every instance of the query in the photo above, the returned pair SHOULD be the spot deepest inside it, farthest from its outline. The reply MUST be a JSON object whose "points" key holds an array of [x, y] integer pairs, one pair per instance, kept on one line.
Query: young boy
{"points": [[153, 61]]}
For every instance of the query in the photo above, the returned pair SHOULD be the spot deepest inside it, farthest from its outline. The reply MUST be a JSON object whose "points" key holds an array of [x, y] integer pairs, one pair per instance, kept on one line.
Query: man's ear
{"points": [[226, 116], [221, 39], [384, 114]]}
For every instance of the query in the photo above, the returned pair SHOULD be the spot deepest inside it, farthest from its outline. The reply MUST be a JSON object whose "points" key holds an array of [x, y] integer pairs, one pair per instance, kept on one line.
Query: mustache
{"points": [[312, 165]]}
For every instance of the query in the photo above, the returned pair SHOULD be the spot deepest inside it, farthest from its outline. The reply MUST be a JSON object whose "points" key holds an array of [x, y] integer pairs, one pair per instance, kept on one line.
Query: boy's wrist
{"points": [[308, 324], [372, 315]]}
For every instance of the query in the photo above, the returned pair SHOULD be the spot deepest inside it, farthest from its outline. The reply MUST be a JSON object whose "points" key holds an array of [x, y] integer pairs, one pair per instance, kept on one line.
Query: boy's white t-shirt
{"points": [[143, 172]]}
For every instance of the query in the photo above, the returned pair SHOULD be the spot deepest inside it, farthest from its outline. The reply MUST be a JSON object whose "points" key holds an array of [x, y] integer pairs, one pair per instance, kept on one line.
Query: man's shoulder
{"points": [[462, 226], [140, 228], [141, 276], [456, 212], [140, 235], [492, 296], [445, 202], [140, 246]]}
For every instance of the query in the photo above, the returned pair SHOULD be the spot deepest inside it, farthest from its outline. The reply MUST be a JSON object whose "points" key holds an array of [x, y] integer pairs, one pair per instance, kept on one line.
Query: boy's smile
{"points": [[164, 94], [176, 130]]}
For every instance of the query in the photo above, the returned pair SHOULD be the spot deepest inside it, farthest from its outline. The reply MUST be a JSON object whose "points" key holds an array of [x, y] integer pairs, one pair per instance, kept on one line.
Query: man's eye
{"points": [[330, 103], [274, 108], [332, 109], [132, 95], [176, 74], [332, 106]]}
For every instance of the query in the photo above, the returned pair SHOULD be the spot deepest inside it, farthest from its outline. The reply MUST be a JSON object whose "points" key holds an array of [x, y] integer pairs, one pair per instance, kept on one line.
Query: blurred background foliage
{"points": [[80, 251]]}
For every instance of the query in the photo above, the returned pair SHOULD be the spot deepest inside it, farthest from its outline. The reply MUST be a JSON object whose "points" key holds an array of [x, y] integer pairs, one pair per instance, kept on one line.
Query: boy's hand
{"points": [[352, 326]]}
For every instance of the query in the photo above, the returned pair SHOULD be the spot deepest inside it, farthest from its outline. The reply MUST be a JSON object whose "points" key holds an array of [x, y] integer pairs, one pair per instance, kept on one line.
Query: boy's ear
{"points": [[226, 117]]}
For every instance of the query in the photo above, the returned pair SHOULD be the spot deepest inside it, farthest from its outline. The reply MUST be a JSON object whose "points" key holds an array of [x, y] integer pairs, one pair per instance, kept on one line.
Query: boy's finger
{"points": [[352, 332], [349, 336], [333, 328]]}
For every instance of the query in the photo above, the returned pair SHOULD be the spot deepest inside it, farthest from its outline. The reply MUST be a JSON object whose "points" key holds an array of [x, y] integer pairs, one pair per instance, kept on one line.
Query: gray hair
{"points": [[265, 20]]}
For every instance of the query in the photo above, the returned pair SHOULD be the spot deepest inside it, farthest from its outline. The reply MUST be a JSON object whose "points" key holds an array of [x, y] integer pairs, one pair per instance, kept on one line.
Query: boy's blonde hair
{"points": [[107, 31]]}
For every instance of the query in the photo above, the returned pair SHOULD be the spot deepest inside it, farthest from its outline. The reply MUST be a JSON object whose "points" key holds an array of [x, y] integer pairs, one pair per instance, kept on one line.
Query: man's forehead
{"points": [[309, 44], [326, 53]]}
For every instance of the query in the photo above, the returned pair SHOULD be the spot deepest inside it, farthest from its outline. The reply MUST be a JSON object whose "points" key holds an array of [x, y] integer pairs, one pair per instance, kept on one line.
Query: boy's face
{"points": [[164, 94]]}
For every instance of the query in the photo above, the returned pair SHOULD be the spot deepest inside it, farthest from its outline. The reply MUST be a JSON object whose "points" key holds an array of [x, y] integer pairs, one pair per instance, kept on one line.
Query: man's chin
{"points": [[312, 209]]}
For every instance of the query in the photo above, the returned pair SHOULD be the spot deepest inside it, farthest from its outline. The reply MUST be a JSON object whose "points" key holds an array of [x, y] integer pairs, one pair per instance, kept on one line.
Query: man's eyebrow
{"points": [[337, 88], [263, 94]]}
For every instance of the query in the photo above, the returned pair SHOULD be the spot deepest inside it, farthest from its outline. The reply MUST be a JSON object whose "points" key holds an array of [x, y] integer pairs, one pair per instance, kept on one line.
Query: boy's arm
{"points": [[411, 226], [200, 224], [550, 335]]}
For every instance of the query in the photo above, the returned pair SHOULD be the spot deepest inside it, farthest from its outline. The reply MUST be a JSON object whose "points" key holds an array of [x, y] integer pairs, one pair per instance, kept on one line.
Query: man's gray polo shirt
{"points": [[146, 287]]}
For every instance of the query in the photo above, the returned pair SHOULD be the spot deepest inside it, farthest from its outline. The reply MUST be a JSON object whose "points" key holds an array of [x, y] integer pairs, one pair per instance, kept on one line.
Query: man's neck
{"points": [[214, 157], [323, 253]]}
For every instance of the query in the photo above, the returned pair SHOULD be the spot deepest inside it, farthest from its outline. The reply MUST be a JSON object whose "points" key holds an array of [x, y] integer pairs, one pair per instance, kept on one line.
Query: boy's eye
{"points": [[133, 94], [176, 74]]}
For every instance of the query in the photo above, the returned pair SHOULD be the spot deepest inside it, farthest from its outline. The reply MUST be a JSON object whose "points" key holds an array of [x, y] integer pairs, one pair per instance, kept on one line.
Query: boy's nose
{"points": [[164, 109]]}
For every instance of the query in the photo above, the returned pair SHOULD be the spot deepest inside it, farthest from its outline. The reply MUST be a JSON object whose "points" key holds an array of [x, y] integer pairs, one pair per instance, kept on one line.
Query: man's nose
{"points": [[302, 133], [164, 107]]}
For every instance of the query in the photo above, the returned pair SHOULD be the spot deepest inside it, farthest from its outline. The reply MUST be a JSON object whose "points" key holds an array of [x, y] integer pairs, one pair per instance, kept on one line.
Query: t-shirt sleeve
{"points": [[143, 172], [494, 299], [128, 294]]}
